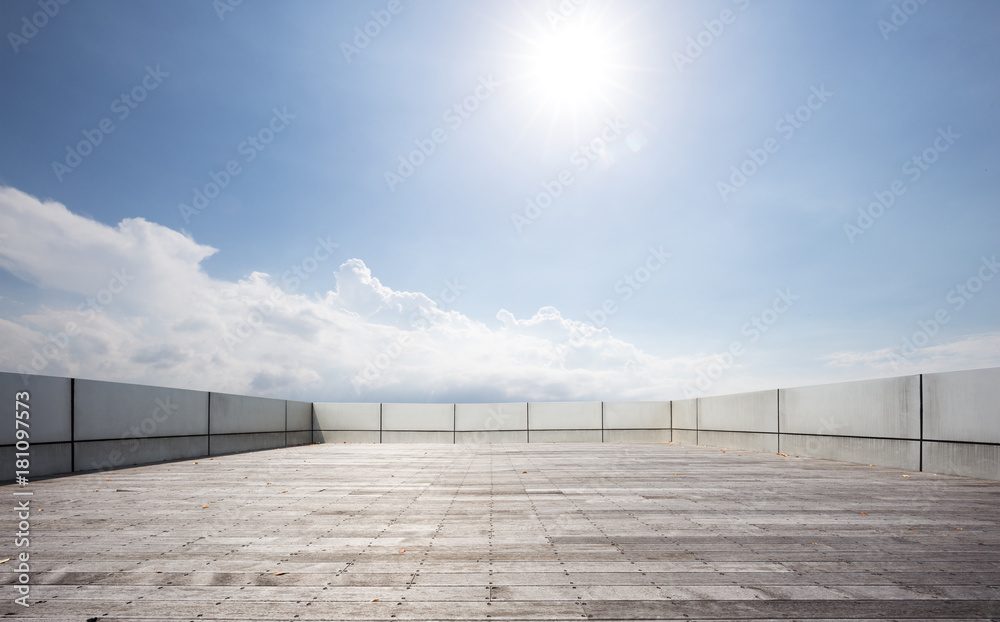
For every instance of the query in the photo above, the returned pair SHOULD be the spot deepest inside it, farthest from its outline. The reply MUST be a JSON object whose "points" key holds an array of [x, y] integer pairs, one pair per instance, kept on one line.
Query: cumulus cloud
{"points": [[146, 311]]}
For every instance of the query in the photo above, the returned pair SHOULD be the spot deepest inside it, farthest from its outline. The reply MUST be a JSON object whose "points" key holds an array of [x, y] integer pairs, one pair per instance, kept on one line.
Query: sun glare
{"points": [[571, 66], [572, 71]]}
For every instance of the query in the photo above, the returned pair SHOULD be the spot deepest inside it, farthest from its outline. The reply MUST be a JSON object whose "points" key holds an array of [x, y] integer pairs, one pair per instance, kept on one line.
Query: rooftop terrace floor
{"points": [[500, 532]]}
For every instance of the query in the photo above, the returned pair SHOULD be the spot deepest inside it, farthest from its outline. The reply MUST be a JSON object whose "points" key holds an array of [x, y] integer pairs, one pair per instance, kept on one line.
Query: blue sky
{"points": [[655, 269]]}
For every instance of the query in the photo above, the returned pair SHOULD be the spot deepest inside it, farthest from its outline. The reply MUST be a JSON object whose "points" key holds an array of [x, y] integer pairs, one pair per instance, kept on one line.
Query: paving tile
{"points": [[509, 532]]}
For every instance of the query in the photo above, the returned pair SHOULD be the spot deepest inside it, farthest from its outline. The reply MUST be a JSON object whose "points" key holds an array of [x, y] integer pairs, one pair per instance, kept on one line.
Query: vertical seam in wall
{"points": [[209, 430], [527, 420], [777, 415], [312, 422], [920, 465], [602, 422], [670, 421], [380, 423], [72, 424], [286, 423], [697, 421]]}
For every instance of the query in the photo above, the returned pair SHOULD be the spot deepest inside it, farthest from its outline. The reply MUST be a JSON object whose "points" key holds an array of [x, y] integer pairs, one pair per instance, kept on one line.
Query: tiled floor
{"points": [[540, 532]]}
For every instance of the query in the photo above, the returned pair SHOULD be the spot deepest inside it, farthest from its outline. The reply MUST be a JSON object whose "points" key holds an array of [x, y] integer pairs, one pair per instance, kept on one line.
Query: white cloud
{"points": [[143, 310], [967, 352], [147, 312]]}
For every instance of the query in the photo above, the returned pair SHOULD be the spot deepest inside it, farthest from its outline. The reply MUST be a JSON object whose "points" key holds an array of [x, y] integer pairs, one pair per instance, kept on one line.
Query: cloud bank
{"points": [[132, 303], [142, 309]]}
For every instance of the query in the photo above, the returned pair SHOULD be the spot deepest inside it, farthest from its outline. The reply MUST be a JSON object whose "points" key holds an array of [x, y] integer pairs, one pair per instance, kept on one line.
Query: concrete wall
{"points": [[741, 421], [337, 416], [298, 416], [418, 423], [684, 436], [636, 415], [346, 436], [565, 436], [511, 416], [869, 421], [511, 422], [564, 416], [48, 408], [565, 422], [242, 414], [113, 454], [684, 421], [113, 410], [945, 423], [962, 406], [962, 423], [418, 417], [741, 412], [346, 423], [483, 437], [637, 422], [119, 425], [293, 438], [242, 423], [491, 423], [898, 454], [418, 436], [749, 441], [883, 408], [49, 424], [298, 423], [84, 425], [968, 459]]}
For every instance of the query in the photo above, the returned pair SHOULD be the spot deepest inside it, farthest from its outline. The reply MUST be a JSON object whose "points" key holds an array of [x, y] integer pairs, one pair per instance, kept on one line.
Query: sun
{"points": [[571, 66], [572, 73]]}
